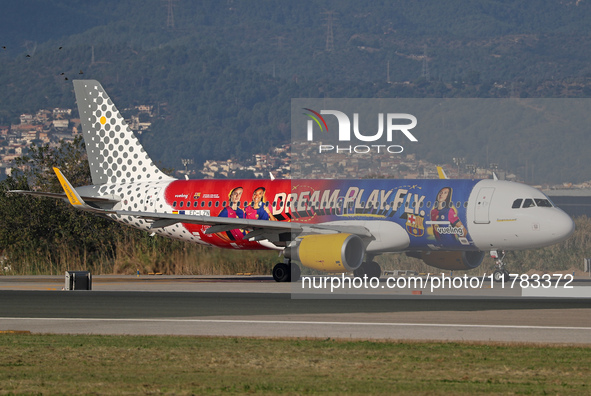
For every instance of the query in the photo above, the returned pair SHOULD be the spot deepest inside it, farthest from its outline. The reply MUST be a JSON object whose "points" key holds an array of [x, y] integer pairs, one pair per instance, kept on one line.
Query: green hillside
{"points": [[222, 73]]}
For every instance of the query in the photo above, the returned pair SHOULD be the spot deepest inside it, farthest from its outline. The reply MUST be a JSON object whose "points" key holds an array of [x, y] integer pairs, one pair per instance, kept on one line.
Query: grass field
{"points": [[81, 364]]}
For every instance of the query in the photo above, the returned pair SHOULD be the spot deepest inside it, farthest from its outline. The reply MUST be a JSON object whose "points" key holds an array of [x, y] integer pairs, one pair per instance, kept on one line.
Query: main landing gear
{"points": [[286, 272], [501, 272], [369, 268]]}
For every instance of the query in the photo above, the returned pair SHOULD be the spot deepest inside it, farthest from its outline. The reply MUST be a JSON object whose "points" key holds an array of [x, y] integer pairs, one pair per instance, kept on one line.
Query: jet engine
{"points": [[450, 260], [328, 252]]}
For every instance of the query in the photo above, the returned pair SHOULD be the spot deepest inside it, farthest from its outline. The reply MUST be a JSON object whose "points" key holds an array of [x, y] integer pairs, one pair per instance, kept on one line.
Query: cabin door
{"points": [[481, 211]]}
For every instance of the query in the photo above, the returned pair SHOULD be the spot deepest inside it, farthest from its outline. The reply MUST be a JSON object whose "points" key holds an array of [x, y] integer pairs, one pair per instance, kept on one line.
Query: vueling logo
{"points": [[392, 126]]}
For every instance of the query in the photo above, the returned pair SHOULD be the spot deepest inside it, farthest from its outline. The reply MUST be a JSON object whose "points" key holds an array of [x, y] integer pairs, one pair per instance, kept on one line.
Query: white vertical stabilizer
{"points": [[115, 154]]}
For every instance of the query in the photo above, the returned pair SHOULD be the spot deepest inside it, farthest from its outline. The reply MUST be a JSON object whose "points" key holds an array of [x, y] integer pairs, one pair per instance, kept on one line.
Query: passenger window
{"points": [[181, 204], [195, 204], [202, 203], [529, 203], [458, 204], [428, 204], [209, 204], [466, 204], [217, 204], [188, 204], [517, 203], [174, 204], [224, 204], [544, 203]]}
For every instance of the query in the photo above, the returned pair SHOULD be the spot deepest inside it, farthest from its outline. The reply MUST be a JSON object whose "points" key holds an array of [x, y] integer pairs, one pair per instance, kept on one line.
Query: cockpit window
{"points": [[544, 203], [532, 203], [529, 203]]}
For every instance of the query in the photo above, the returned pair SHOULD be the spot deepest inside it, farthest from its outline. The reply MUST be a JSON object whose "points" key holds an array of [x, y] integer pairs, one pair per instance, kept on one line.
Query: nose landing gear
{"points": [[501, 273]]}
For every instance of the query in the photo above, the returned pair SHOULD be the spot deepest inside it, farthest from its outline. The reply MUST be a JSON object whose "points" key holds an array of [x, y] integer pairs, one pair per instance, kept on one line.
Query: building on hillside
{"points": [[61, 124], [61, 113], [26, 119]]}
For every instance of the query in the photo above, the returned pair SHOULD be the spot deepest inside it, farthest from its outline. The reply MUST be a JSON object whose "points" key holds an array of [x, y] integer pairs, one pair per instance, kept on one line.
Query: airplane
{"points": [[328, 225]]}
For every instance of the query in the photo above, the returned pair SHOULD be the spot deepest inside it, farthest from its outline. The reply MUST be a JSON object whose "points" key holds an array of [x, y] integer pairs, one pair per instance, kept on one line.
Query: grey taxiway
{"points": [[260, 307]]}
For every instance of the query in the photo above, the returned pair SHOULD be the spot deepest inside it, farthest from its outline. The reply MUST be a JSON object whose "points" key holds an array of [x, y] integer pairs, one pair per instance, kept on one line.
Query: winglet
{"points": [[73, 196], [441, 173]]}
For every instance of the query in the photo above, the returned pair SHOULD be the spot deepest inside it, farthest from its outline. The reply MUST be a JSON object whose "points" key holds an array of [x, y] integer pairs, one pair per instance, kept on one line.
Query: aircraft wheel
{"points": [[507, 276], [498, 275], [281, 272], [294, 273], [360, 271], [373, 270]]}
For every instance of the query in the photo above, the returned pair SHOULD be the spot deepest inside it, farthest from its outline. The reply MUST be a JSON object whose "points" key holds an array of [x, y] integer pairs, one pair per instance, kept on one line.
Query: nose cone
{"points": [[561, 226]]}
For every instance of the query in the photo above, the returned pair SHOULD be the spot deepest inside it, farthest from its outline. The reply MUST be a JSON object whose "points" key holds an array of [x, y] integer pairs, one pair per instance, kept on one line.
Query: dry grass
{"points": [[137, 251]]}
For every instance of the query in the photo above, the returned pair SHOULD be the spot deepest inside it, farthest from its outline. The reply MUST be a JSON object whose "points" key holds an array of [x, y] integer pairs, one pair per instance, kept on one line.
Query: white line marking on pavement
{"points": [[295, 322]]}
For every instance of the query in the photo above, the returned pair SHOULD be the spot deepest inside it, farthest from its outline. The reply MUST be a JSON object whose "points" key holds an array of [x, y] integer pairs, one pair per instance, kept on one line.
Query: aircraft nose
{"points": [[562, 226]]}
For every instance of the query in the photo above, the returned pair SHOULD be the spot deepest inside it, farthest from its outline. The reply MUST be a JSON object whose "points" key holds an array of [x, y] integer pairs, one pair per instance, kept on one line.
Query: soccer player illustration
{"points": [[259, 209], [447, 226], [233, 211]]}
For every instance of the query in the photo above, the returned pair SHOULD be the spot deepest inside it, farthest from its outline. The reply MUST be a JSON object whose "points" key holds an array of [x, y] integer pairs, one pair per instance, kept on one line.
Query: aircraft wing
{"points": [[261, 229], [441, 173], [63, 196]]}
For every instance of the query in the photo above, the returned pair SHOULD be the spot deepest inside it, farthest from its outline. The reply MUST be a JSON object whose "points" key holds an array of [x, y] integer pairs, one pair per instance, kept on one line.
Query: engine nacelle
{"points": [[329, 252], [450, 260]]}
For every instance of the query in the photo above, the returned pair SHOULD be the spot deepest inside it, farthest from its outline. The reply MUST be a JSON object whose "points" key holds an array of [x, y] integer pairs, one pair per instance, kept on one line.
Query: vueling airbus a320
{"points": [[328, 225]]}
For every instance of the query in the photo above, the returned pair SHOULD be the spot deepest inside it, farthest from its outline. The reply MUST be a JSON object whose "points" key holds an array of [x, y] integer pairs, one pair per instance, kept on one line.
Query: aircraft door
{"points": [[151, 199], [481, 210]]}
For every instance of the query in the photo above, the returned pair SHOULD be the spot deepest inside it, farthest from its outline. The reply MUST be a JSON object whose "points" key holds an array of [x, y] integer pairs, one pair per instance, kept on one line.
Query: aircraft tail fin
{"points": [[115, 154]]}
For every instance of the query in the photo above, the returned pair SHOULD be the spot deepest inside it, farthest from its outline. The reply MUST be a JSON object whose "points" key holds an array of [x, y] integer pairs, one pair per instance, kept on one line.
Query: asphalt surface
{"points": [[257, 306]]}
